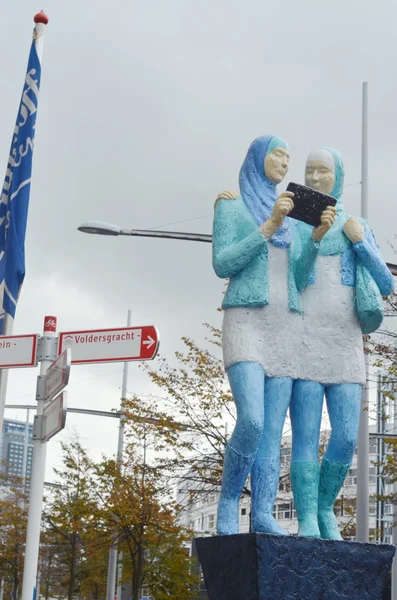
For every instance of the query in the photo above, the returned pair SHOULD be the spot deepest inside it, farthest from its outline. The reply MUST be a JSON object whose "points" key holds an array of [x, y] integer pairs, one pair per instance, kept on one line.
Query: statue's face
{"points": [[319, 176], [276, 165]]}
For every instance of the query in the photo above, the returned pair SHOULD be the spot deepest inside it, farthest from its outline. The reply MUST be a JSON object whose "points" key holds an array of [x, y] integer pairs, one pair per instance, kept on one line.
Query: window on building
{"points": [[372, 475], [284, 511], [244, 516], [285, 455], [211, 521], [212, 498], [284, 486]]}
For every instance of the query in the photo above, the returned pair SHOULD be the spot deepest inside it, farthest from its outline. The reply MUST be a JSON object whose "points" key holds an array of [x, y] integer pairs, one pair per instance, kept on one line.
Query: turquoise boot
{"points": [[305, 478], [332, 477], [235, 471]]}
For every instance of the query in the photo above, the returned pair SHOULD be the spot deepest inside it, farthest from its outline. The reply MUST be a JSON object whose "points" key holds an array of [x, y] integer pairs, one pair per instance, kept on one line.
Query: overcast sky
{"points": [[146, 112]]}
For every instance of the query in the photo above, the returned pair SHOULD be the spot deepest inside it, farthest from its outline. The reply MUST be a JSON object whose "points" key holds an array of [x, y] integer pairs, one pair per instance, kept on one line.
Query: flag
{"points": [[14, 200]]}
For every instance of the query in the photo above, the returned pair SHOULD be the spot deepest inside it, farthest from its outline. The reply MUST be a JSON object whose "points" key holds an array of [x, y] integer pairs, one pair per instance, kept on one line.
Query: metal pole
{"points": [[112, 565], [37, 477], [394, 525], [25, 447], [362, 517], [7, 330], [38, 581], [80, 411], [171, 235]]}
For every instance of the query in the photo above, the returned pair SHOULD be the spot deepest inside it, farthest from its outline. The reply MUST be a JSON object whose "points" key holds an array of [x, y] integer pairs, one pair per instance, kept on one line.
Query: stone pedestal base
{"points": [[257, 566]]}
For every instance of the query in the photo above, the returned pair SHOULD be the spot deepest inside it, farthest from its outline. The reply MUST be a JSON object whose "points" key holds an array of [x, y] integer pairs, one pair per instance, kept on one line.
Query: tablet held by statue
{"points": [[309, 204]]}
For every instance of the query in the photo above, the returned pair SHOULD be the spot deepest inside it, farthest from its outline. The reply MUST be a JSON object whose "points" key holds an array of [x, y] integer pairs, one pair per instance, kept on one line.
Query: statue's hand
{"points": [[282, 207], [328, 217], [353, 230], [227, 195]]}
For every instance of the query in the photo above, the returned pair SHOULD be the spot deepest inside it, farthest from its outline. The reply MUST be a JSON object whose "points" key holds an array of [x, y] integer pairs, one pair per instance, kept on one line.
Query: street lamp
{"points": [[99, 228]]}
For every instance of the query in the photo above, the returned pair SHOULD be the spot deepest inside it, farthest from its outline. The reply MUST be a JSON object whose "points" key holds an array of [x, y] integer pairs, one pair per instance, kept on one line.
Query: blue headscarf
{"points": [[259, 194]]}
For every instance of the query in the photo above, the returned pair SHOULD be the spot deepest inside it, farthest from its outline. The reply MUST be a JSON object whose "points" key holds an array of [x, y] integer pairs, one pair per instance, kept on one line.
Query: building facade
{"points": [[16, 449], [199, 513]]}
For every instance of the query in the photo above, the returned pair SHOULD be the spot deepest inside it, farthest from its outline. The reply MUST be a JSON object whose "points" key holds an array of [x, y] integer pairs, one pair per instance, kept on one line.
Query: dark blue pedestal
{"points": [[257, 566]]}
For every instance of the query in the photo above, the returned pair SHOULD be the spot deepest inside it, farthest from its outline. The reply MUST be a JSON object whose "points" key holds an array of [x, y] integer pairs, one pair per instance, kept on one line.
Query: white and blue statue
{"points": [[278, 270], [341, 302], [259, 250]]}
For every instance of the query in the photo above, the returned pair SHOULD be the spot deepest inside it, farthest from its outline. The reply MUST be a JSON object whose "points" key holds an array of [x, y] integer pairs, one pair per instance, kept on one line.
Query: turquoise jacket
{"points": [[240, 253]]}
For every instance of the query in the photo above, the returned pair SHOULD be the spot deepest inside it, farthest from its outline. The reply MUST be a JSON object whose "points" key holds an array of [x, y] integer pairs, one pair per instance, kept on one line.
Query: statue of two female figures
{"points": [[278, 270]]}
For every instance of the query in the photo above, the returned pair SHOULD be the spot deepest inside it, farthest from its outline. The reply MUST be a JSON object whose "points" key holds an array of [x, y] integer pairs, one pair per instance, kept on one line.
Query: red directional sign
{"points": [[110, 345]]}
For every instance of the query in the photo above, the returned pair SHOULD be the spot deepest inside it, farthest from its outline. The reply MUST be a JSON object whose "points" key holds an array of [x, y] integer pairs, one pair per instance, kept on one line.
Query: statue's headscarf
{"points": [[259, 194]]}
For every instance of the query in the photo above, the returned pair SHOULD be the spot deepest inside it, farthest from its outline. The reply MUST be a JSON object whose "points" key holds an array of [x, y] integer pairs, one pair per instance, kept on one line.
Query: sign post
{"points": [[38, 469], [56, 357]]}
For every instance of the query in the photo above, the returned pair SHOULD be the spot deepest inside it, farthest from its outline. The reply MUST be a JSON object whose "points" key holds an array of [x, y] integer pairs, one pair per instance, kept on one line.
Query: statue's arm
{"points": [[370, 255], [229, 256]]}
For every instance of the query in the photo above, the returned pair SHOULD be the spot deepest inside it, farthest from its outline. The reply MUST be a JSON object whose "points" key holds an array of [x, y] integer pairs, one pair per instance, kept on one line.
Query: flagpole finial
{"points": [[41, 17]]}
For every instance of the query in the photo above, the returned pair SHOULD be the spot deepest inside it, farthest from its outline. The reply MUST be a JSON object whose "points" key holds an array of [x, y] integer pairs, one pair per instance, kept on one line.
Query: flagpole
{"points": [[41, 21], [39, 450]]}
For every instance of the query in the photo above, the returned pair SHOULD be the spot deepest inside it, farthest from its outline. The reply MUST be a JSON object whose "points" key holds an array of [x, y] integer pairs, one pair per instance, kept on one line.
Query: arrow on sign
{"points": [[149, 342]]}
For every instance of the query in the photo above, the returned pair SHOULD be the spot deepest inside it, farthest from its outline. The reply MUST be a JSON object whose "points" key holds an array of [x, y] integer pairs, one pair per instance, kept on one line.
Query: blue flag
{"points": [[14, 200]]}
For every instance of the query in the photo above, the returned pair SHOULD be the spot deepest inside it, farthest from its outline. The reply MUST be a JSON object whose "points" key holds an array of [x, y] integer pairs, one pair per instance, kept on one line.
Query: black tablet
{"points": [[308, 204]]}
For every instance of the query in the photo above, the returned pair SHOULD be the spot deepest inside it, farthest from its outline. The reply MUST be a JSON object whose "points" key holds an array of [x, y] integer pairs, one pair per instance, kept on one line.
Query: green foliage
{"points": [[13, 520]]}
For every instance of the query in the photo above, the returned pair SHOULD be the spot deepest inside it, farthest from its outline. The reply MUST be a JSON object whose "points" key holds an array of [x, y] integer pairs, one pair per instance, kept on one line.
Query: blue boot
{"points": [[332, 477], [305, 478], [235, 471], [264, 483]]}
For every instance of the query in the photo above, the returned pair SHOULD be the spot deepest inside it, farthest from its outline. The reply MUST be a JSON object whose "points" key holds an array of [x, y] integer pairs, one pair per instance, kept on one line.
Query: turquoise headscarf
{"points": [[339, 173]]}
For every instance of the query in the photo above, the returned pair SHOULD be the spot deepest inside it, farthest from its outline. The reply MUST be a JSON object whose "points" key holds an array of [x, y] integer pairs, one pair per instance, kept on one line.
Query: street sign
{"points": [[57, 376], [18, 351], [54, 417], [110, 345]]}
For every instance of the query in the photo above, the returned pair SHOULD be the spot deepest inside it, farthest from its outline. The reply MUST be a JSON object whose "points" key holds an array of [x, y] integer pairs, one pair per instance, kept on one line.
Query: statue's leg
{"points": [[343, 402], [265, 471], [305, 411], [247, 381]]}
